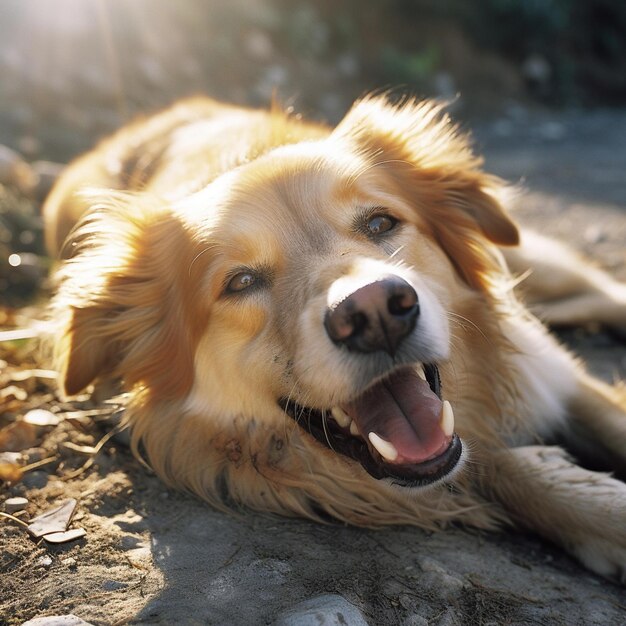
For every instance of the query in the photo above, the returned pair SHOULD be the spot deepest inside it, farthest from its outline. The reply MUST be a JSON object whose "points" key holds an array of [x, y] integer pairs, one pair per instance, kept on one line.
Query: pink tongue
{"points": [[403, 410]]}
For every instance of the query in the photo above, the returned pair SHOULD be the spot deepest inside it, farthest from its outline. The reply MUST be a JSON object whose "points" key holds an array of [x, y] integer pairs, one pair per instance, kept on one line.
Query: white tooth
{"points": [[341, 417], [447, 419], [387, 450], [353, 429], [420, 372]]}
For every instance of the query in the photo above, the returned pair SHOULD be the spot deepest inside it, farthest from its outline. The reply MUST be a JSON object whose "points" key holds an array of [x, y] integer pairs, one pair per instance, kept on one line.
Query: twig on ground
{"points": [[96, 449], [14, 519]]}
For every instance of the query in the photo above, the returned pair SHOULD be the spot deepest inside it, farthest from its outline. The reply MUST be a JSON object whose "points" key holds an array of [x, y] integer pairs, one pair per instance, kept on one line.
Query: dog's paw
{"points": [[602, 557]]}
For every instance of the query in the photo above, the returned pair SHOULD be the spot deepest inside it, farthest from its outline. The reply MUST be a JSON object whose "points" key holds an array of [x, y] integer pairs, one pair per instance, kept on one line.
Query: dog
{"points": [[325, 323]]}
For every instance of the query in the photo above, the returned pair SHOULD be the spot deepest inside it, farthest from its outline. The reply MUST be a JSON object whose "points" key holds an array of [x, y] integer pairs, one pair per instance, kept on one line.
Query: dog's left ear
{"points": [[433, 165]]}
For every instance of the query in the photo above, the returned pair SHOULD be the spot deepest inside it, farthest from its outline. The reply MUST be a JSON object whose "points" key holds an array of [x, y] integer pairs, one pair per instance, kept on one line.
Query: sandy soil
{"points": [[153, 556]]}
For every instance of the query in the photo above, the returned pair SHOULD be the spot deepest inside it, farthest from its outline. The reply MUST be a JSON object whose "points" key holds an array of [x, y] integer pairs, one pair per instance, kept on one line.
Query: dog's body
{"points": [[252, 268]]}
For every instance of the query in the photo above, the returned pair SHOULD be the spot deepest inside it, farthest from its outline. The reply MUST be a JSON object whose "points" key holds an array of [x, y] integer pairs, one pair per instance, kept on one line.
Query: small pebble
{"points": [[45, 560], [552, 131], [13, 505], [129, 542], [35, 480], [35, 454], [595, 234], [139, 557], [41, 417], [70, 561], [329, 609], [10, 457], [113, 585], [57, 620]]}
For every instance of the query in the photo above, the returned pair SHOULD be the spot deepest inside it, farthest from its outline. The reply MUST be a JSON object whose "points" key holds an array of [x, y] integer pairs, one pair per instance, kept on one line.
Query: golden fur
{"points": [[195, 194]]}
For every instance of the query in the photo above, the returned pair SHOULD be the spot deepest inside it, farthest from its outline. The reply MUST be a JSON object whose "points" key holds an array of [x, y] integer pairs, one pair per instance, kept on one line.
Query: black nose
{"points": [[375, 317]]}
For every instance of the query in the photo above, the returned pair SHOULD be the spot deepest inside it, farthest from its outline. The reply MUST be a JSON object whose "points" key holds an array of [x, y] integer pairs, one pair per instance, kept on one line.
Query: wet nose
{"points": [[374, 317]]}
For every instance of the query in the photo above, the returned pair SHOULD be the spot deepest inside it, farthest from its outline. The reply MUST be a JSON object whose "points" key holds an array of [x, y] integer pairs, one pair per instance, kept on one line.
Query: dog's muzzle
{"points": [[378, 316], [399, 427]]}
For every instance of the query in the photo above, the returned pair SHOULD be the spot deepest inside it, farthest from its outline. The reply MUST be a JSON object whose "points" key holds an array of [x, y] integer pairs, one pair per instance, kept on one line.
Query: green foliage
{"points": [[410, 68], [583, 42]]}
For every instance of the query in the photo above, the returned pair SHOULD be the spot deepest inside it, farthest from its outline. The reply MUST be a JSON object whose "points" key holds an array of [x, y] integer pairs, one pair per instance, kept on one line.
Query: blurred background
{"points": [[72, 71]]}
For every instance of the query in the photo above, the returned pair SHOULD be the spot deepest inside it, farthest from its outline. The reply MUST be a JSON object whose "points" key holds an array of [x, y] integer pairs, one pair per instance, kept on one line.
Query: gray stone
{"points": [[449, 618], [113, 585], [57, 620], [35, 480], [325, 610], [11, 505]]}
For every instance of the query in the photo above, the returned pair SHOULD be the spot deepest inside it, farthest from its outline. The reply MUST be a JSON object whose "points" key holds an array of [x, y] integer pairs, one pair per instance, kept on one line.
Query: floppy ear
{"points": [[434, 167], [126, 303]]}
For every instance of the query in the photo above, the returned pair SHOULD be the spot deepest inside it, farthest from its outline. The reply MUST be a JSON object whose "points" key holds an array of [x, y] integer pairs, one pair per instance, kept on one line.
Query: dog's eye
{"points": [[241, 281], [379, 224]]}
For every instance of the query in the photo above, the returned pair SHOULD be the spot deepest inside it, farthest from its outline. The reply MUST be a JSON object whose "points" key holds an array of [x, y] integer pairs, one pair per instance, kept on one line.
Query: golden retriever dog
{"points": [[321, 322]]}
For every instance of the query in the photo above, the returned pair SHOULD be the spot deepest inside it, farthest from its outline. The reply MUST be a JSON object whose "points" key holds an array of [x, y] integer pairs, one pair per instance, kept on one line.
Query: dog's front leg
{"points": [[583, 511], [596, 427]]}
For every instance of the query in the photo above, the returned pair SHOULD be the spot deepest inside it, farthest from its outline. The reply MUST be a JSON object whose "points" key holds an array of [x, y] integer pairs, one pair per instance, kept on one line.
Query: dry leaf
{"points": [[63, 537], [18, 436], [10, 472], [53, 521]]}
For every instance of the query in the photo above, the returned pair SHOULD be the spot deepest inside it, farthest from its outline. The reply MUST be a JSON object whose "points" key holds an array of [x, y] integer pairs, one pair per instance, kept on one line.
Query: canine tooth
{"points": [[353, 429], [447, 419], [387, 450], [421, 373], [341, 417]]}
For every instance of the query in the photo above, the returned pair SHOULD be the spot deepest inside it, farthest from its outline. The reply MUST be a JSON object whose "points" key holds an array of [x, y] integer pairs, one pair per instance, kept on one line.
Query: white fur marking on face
{"points": [[327, 373]]}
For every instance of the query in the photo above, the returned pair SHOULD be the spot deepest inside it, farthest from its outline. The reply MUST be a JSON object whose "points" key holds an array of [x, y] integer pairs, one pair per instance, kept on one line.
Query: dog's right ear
{"points": [[127, 304]]}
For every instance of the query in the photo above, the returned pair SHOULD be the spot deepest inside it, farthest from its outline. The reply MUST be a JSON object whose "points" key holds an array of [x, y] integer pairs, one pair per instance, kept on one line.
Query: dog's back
{"points": [[172, 153]]}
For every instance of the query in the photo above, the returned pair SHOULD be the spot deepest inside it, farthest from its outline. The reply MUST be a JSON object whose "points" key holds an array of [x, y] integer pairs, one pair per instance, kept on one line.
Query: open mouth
{"points": [[399, 428]]}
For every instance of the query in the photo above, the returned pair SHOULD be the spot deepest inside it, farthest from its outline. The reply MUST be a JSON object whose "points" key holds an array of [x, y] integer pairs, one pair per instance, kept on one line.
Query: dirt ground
{"points": [[154, 556]]}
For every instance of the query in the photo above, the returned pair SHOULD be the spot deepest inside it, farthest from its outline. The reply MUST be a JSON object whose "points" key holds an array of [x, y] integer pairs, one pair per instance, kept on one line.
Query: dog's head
{"points": [[314, 281]]}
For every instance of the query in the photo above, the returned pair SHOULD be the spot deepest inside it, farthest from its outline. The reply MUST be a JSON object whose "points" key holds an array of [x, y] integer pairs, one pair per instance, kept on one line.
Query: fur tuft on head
{"points": [[441, 176]]}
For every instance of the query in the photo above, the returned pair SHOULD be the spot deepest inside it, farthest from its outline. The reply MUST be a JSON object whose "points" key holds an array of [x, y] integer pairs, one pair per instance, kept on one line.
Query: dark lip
{"points": [[329, 433], [420, 474]]}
